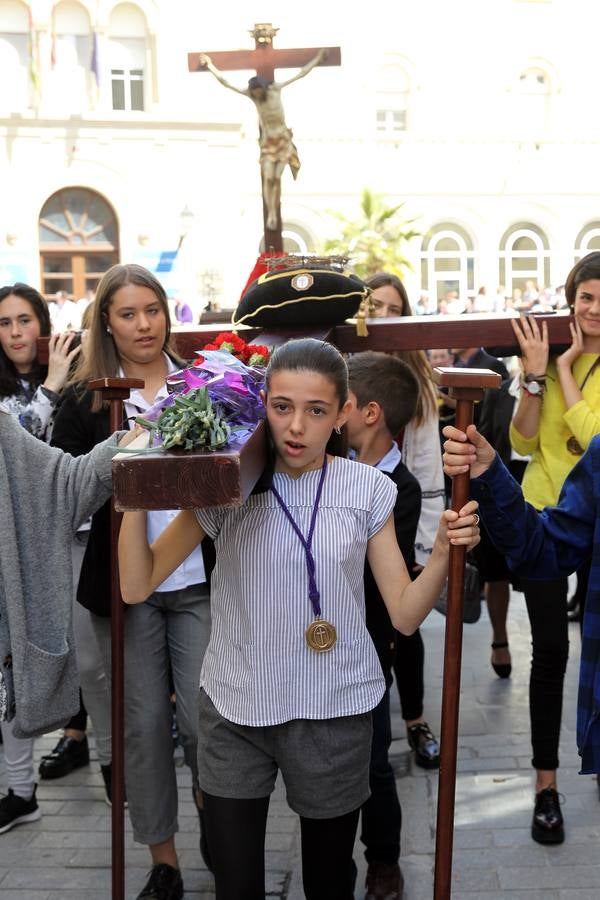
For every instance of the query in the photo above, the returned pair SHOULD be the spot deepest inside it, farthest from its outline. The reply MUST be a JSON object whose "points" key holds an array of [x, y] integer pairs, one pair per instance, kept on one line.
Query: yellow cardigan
{"points": [[551, 461]]}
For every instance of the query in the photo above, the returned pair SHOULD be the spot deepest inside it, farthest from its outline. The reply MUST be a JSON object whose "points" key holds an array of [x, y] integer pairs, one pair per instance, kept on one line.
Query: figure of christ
{"points": [[277, 149]]}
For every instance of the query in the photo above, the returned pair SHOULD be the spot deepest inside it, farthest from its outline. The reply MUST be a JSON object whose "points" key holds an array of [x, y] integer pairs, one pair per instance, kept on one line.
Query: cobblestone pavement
{"points": [[66, 855]]}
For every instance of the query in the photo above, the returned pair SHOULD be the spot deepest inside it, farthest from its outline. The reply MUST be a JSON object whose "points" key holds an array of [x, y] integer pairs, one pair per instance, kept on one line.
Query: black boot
{"points": [[69, 754], [547, 826]]}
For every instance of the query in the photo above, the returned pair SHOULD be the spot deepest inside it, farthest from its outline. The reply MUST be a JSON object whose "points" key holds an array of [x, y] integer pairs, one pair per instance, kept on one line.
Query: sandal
{"points": [[502, 670]]}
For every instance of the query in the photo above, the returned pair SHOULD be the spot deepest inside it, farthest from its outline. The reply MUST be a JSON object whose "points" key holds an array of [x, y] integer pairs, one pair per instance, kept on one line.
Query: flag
{"points": [[94, 62], [34, 68], [167, 258], [53, 43]]}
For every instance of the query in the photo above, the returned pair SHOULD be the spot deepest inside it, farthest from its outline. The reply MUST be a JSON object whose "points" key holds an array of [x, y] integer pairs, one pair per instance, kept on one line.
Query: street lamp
{"points": [[186, 220]]}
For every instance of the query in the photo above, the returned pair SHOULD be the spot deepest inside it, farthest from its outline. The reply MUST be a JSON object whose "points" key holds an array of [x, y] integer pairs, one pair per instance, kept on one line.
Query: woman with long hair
{"points": [[129, 335], [30, 391]]}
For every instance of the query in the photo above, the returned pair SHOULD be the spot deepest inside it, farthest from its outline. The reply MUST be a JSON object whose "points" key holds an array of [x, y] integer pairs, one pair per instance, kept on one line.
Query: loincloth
{"points": [[280, 148]]}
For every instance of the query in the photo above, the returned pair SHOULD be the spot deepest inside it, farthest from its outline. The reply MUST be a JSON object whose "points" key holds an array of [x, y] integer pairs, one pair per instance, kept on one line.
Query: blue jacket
{"points": [[551, 543]]}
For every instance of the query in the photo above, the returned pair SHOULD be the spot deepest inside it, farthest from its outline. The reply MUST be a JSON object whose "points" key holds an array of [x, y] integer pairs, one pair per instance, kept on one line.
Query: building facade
{"points": [[474, 114]]}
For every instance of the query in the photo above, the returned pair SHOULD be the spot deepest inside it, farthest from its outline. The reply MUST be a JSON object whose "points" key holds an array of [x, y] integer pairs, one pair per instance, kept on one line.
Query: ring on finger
{"points": [[475, 519]]}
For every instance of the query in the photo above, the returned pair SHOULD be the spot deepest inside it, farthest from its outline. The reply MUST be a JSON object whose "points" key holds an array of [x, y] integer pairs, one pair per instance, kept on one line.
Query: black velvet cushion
{"points": [[300, 297]]}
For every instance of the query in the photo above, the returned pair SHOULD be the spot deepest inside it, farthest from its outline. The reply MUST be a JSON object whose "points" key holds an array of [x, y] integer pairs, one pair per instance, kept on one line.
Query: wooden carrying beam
{"points": [[184, 479], [406, 333]]}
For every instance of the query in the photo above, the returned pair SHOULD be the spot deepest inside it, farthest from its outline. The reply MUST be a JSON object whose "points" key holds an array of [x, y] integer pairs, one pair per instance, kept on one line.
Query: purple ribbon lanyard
{"points": [[313, 591]]}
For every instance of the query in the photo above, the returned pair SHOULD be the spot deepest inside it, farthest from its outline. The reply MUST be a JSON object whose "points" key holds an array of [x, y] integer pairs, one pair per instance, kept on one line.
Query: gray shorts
{"points": [[324, 762]]}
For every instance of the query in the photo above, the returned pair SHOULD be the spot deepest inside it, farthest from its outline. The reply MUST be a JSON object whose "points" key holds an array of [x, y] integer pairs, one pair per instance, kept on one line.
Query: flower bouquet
{"points": [[207, 437], [213, 403]]}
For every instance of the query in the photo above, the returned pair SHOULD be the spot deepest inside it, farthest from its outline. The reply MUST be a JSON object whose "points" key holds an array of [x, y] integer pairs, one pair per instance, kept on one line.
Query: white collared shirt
{"points": [[514, 389], [191, 571], [391, 459]]}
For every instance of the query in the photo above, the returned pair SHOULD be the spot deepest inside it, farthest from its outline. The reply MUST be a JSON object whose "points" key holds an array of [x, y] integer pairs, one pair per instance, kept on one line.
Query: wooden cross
{"points": [[264, 59]]}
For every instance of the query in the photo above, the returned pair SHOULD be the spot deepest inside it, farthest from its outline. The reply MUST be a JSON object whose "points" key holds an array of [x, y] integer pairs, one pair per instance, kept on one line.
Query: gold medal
{"points": [[574, 447], [320, 635]]}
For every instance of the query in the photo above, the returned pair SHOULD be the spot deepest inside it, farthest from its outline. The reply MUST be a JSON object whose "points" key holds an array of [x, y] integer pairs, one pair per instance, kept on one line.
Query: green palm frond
{"points": [[376, 240]]}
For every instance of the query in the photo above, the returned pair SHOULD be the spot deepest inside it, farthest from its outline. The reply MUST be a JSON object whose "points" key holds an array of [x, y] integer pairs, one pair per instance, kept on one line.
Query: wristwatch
{"points": [[533, 386]]}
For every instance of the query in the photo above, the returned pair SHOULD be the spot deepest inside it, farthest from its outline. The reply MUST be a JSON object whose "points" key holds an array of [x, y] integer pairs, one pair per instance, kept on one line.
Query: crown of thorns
{"points": [[298, 260]]}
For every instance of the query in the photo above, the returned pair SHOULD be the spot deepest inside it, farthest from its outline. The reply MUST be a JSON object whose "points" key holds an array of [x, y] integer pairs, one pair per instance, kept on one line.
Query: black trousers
{"points": [[382, 814], [408, 670], [79, 721], [235, 831], [547, 609], [381, 821]]}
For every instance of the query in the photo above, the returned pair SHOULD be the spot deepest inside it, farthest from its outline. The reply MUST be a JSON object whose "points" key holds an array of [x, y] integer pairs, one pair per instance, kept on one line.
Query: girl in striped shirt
{"points": [[291, 675]]}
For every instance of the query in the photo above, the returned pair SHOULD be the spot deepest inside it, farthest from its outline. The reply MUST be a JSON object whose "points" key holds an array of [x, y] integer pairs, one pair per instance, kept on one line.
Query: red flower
{"points": [[229, 341], [252, 354], [199, 361], [256, 354]]}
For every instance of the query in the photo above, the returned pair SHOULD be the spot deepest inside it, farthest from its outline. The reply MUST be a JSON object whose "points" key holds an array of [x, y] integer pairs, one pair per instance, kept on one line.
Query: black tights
{"points": [[235, 830]]}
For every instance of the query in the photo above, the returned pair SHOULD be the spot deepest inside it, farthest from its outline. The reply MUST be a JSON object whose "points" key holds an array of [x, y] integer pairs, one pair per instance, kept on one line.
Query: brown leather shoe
{"points": [[384, 882]]}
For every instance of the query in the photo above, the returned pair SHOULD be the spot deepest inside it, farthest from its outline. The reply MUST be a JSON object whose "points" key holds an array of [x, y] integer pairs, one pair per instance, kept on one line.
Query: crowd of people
{"points": [[530, 298], [355, 499]]}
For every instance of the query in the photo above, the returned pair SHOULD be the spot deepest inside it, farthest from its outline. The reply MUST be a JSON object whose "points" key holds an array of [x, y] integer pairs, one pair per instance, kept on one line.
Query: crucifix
{"points": [[277, 149]]}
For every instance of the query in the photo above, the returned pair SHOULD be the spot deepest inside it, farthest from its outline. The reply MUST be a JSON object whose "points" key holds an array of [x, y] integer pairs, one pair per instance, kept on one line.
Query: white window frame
{"points": [[128, 77], [541, 253], [464, 254], [588, 233]]}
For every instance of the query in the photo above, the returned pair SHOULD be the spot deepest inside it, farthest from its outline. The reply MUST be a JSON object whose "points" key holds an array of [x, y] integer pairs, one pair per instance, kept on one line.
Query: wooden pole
{"points": [[466, 387], [116, 390]]}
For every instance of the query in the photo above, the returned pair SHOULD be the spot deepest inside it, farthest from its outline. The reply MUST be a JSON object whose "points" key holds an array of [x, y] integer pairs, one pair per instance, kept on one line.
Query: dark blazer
{"points": [[484, 360], [495, 417], [76, 430], [407, 510]]}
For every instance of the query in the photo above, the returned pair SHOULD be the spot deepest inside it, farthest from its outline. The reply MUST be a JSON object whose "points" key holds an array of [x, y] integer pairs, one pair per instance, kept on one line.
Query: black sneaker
{"points": [[165, 883], [68, 754], [425, 746], [14, 810], [547, 826]]}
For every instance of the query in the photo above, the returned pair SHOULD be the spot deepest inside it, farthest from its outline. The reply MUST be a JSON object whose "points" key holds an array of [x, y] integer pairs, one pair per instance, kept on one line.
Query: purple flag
{"points": [[94, 62]]}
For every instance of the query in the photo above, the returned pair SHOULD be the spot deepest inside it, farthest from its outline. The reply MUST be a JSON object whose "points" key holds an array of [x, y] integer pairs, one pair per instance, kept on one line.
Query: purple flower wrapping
{"points": [[232, 386]]}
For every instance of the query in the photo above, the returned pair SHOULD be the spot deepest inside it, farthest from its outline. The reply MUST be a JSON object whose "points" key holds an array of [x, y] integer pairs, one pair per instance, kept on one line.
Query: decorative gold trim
{"points": [[302, 299]]}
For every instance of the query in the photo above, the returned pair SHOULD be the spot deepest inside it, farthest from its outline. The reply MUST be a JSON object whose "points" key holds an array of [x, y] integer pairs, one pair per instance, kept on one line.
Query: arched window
{"points": [[78, 234], [128, 58], [71, 57], [524, 256], [587, 240], [391, 99], [14, 57], [447, 262]]}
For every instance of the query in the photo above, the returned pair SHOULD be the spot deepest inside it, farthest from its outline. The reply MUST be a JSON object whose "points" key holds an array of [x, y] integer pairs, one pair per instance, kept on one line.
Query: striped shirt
{"points": [[258, 669]]}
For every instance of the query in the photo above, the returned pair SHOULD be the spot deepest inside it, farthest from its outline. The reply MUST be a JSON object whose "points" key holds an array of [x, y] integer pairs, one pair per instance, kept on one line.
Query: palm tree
{"points": [[375, 241]]}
